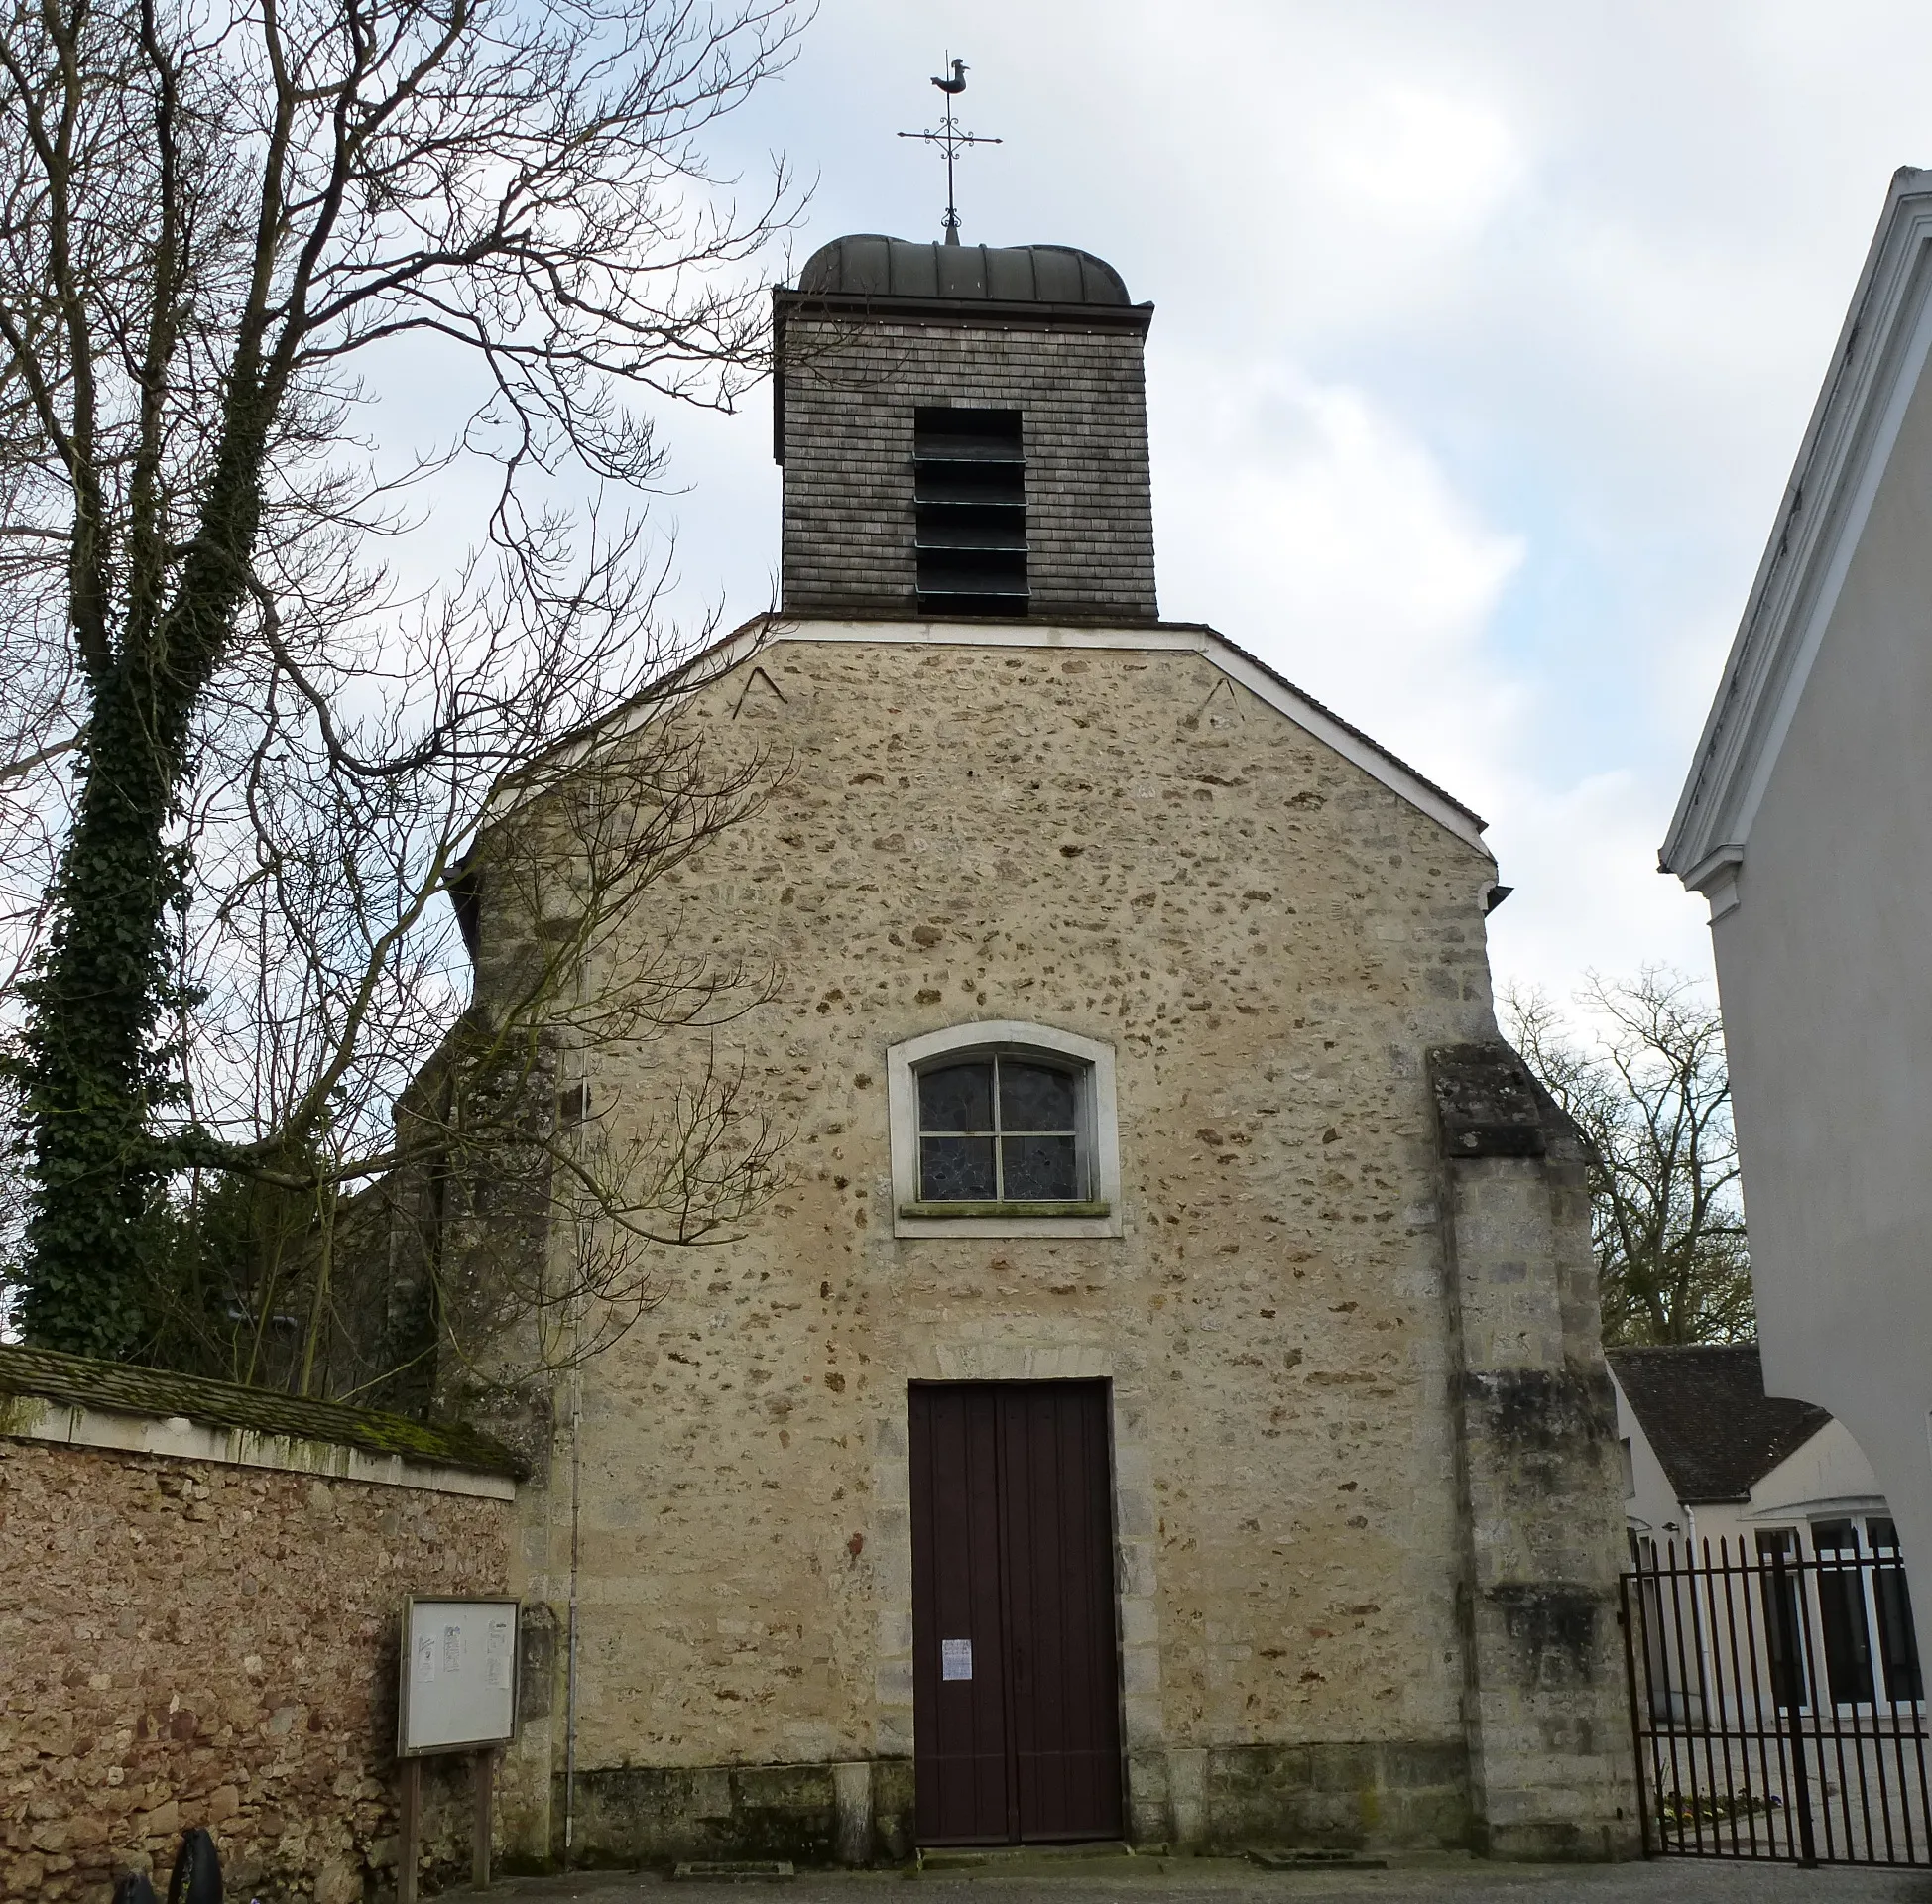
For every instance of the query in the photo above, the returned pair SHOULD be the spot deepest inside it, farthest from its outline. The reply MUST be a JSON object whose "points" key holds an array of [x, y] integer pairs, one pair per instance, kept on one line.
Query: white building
{"points": [[1807, 822], [1718, 1472]]}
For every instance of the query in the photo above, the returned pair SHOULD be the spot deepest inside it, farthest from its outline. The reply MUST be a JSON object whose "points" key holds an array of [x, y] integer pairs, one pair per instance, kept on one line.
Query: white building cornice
{"points": [[1881, 355]]}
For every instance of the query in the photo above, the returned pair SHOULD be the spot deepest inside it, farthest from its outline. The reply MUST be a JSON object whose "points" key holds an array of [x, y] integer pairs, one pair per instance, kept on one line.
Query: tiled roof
{"points": [[120, 1387], [1708, 1417]]}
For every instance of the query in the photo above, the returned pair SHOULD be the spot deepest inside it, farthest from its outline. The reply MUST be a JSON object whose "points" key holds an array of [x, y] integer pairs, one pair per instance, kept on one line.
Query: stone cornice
{"points": [[764, 631]]}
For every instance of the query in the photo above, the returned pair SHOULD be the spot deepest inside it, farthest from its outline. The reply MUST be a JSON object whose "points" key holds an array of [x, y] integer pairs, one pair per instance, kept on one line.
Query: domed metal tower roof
{"points": [[867, 265]]}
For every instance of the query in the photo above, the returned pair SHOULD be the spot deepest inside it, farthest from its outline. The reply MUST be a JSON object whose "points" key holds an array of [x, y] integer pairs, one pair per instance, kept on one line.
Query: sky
{"points": [[1485, 336]]}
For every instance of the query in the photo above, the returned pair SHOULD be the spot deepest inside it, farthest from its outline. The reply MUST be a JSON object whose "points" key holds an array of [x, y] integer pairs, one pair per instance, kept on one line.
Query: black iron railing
{"points": [[1778, 1705]]}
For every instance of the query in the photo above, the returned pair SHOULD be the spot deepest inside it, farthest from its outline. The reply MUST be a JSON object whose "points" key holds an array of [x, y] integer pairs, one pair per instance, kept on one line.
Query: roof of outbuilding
{"points": [[1704, 1409], [867, 265], [122, 1388]]}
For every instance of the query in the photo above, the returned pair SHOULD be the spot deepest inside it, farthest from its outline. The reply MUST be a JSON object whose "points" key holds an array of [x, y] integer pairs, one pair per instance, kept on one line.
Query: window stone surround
{"points": [[1100, 1115]]}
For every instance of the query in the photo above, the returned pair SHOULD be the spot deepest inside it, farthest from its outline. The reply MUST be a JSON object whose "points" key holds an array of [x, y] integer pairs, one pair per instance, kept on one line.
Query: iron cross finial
{"points": [[950, 140]]}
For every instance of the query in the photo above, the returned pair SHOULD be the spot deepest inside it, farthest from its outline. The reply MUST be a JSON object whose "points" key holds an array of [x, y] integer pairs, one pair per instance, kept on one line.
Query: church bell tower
{"points": [[963, 432]]}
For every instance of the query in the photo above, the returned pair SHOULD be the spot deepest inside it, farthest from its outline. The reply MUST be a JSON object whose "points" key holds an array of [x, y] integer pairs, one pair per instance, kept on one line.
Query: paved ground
{"points": [[1224, 1881]]}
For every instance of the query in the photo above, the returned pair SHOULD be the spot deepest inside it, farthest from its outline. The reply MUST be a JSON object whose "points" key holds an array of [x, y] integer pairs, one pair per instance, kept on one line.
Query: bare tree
{"points": [[457, 1206], [1647, 1083], [261, 753]]}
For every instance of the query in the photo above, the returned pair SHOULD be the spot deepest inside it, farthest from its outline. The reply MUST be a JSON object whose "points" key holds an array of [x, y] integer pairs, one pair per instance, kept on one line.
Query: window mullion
{"points": [[999, 1140]]}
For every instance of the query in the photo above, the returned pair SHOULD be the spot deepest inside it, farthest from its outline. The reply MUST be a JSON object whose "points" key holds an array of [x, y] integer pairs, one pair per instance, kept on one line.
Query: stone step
{"points": [[735, 1871], [978, 1857], [1316, 1860]]}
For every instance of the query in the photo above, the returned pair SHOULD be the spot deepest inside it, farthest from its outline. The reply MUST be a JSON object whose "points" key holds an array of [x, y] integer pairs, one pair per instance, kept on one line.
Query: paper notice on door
{"points": [[452, 1649], [955, 1659], [426, 1659]]}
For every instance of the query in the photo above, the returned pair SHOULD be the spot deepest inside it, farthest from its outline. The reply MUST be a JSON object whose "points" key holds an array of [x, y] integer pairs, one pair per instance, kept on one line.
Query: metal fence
{"points": [[1778, 1704]]}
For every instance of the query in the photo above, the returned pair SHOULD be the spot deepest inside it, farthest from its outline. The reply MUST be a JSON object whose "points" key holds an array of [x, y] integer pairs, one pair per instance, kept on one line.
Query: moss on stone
{"points": [[122, 1388]]}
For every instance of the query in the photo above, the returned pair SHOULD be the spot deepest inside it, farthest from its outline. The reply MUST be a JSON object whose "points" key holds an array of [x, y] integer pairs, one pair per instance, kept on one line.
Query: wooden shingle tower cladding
{"points": [[878, 334]]}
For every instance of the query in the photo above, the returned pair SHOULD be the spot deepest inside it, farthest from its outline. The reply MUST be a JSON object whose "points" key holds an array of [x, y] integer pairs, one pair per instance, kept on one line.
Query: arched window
{"points": [[1004, 1128]]}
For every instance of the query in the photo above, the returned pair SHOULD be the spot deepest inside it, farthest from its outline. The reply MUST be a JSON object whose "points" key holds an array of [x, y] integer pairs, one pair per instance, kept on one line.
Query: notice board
{"points": [[458, 1674]]}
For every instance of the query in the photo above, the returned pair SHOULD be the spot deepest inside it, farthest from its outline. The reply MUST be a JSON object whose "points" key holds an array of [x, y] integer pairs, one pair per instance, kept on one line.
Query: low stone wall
{"points": [[211, 1639]]}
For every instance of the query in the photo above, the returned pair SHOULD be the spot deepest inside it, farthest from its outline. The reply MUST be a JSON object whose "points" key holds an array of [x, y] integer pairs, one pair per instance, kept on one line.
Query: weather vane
{"points": [[950, 140]]}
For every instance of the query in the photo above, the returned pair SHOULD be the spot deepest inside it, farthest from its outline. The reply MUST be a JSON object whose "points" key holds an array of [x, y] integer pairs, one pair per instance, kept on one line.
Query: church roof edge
{"points": [[741, 644], [1269, 684]]}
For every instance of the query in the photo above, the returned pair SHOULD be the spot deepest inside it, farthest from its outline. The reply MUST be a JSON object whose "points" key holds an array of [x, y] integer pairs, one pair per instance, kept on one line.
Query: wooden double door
{"points": [[1016, 1663]]}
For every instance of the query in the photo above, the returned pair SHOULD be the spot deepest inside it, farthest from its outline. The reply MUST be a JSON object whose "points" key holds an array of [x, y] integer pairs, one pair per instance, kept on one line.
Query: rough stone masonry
{"points": [[207, 1635], [1365, 1500]]}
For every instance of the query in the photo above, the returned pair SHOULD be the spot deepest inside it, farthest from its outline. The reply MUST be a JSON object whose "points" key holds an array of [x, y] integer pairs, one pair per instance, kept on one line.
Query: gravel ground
{"points": [[1227, 1882]]}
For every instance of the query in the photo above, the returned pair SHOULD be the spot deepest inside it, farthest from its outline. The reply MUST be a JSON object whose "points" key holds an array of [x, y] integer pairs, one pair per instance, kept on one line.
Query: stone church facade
{"points": [[1164, 1400]]}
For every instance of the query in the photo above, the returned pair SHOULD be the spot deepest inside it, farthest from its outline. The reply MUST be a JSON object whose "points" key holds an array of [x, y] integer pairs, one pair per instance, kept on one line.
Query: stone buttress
{"points": [[1548, 1714]]}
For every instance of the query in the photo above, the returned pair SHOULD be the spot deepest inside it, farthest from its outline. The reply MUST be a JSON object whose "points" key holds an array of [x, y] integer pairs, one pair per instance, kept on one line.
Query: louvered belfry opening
{"points": [[969, 492], [964, 436]]}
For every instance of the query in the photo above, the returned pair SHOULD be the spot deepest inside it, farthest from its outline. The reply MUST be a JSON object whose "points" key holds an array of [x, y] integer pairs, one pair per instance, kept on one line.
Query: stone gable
{"points": [[1128, 845]]}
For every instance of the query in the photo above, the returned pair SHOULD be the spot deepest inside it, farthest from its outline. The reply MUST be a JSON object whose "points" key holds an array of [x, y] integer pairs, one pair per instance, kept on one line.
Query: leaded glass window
{"points": [[999, 1129]]}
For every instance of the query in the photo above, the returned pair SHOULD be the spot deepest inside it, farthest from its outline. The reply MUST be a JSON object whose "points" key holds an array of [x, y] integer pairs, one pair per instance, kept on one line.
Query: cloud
{"points": [[1309, 527], [1424, 164], [1582, 858]]}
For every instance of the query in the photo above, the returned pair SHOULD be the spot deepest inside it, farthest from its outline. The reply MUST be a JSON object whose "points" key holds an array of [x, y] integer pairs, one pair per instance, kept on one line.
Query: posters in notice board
{"points": [[458, 1676]]}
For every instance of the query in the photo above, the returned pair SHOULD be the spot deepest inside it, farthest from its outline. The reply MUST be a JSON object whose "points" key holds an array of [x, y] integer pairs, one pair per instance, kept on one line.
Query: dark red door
{"points": [[1015, 1705]]}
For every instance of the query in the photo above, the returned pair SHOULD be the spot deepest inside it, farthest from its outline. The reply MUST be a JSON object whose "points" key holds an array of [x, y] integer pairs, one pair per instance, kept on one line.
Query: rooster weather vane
{"points": [[950, 140]]}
